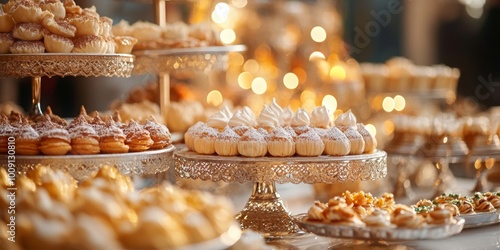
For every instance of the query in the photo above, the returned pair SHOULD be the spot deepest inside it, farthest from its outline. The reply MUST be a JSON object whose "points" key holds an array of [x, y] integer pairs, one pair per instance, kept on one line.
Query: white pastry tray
{"points": [[379, 233], [480, 219]]}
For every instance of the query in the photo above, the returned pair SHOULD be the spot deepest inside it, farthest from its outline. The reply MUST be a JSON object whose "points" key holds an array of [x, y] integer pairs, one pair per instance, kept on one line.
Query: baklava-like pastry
{"points": [[26, 11], [56, 7], [315, 212]]}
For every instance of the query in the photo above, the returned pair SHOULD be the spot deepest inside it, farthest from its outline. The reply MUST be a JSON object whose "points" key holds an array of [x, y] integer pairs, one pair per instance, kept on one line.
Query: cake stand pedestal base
{"points": [[266, 214]]}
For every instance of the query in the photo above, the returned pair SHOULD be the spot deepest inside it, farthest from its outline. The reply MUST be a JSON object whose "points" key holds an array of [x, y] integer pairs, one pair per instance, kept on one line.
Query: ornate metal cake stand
{"points": [[62, 64], [264, 211], [83, 166], [163, 62]]}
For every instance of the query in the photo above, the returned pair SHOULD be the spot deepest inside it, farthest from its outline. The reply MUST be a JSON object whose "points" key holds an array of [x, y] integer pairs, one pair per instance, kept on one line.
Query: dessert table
{"points": [[299, 197]]}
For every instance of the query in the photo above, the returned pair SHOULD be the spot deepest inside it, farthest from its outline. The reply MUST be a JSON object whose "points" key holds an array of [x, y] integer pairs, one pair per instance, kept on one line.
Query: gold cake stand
{"points": [[265, 212], [163, 62], [82, 167], [62, 64]]}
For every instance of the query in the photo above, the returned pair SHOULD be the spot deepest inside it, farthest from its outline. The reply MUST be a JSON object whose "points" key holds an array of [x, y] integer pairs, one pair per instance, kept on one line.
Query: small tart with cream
{"points": [[137, 138]]}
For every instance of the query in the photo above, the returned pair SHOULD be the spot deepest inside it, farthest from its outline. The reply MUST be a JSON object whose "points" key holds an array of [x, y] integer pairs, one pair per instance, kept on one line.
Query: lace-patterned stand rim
{"points": [[62, 64], [184, 60], [83, 166], [66, 64], [265, 212]]}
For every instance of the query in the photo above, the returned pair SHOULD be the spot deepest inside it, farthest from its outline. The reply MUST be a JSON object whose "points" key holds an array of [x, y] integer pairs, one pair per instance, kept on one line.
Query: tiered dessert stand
{"points": [[265, 212], [37, 66]]}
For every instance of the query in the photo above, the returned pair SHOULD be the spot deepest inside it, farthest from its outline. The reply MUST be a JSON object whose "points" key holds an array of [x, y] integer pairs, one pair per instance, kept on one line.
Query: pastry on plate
{"points": [[159, 133], [112, 139], [309, 144], [252, 144], [226, 142], [137, 138], [55, 141]]}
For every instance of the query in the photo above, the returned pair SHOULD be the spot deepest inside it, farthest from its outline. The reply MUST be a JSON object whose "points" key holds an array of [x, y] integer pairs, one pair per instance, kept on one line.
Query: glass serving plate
{"points": [[225, 240], [265, 212], [480, 219], [379, 233], [83, 166], [184, 60]]}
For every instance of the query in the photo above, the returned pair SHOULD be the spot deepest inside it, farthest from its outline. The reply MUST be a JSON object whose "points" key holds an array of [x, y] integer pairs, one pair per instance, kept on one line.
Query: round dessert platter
{"points": [[264, 211], [62, 64], [378, 234], [83, 166]]}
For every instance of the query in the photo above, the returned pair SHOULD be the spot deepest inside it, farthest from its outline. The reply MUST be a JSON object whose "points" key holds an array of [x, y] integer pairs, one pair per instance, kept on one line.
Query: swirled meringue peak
{"points": [[226, 111], [346, 119], [320, 117], [247, 111], [218, 120], [239, 119], [301, 118], [267, 117], [287, 116]]}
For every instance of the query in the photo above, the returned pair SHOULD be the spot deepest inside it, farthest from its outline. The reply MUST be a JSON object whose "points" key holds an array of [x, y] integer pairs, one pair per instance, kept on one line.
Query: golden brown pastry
{"points": [[55, 141], [112, 139], [56, 7], [27, 139], [159, 133], [6, 21], [137, 138], [125, 44], [28, 31], [55, 118], [252, 144], [89, 44], [86, 25], [84, 139], [57, 44], [226, 142], [26, 11], [27, 47], [6, 41], [6, 131], [441, 214], [315, 212], [58, 27], [342, 215]]}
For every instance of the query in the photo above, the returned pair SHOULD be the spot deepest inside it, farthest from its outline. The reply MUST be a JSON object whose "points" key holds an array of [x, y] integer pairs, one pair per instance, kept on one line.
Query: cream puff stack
{"points": [[55, 26]]}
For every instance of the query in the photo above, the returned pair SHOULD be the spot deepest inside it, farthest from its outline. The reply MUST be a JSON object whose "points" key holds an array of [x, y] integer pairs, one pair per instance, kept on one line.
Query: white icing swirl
{"points": [[267, 118], [287, 116], [276, 108], [301, 118], [246, 111], [346, 119], [227, 112], [218, 120], [320, 117], [239, 119]]}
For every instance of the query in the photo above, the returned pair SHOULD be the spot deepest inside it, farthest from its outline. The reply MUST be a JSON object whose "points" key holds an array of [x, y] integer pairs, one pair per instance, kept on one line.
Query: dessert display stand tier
{"points": [[265, 212], [62, 64], [163, 62], [82, 167]]}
